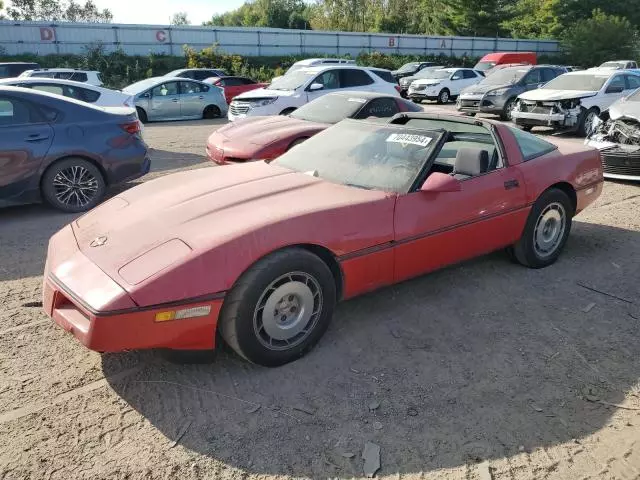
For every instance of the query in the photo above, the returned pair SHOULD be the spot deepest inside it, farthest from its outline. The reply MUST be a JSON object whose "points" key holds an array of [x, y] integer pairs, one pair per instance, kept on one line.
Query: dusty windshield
{"points": [[439, 74], [364, 155], [584, 82], [408, 67], [427, 72], [291, 81], [330, 108], [484, 66], [506, 76]]}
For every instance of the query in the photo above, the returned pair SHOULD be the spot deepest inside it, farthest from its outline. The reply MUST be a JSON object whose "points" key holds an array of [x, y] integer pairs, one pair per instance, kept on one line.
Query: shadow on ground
{"points": [[468, 363]]}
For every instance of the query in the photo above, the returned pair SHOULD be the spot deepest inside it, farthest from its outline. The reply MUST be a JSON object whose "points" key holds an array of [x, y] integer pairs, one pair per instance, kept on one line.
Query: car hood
{"points": [[624, 108], [264, 93], [545, 94], [428, 81], [267, 130], [206, 226], [479, 89]]}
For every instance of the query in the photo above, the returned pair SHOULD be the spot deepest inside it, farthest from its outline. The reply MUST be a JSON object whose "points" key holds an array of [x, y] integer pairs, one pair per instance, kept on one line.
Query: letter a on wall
{"points": [[47, 34], [443, 43]]}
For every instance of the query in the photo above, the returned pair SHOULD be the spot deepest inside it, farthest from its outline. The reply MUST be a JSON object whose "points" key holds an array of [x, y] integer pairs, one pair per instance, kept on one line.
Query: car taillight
{"points": [[398, 88], [131, 127]]}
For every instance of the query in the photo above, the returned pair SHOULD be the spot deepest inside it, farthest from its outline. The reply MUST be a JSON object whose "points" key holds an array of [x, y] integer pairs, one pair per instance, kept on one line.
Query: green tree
{"points": [[533, 19], [601, 37], [180, 18], [54, 10]]}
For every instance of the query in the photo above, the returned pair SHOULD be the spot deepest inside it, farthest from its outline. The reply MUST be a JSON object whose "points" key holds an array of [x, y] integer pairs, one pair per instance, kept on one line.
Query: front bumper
{"points": [[87, 303], [430, 93], [621, 163], [480, 104]]}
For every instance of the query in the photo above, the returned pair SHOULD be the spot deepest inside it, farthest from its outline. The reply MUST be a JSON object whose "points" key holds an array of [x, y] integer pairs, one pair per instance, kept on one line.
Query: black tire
{"points": [[142, 115], [297, 141], [60, 174], [505, 115], [287, 111], [527, 251], [245, 330], [444, 96], [210, 112], [469, 114], [416, 100], [526, 128], [583, 125]]}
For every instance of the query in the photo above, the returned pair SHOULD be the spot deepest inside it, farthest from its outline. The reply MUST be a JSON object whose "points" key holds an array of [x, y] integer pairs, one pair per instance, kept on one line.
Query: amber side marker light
{"points": [[194, 312]]}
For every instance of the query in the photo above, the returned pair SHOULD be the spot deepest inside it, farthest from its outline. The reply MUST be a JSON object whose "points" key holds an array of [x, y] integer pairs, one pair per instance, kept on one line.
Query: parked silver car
{"points": [[163, 98]]}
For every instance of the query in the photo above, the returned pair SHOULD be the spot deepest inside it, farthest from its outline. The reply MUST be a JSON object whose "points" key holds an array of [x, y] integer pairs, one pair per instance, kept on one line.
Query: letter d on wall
{"points": [[47, 34]]}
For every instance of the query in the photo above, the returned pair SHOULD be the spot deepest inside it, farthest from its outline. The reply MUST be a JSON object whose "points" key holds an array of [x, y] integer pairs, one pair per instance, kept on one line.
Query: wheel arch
{"points": [[568, 189]]}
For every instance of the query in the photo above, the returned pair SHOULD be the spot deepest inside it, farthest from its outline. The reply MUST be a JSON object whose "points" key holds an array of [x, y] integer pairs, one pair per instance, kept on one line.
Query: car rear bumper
{"points": [[74, 288], [129, 162]]}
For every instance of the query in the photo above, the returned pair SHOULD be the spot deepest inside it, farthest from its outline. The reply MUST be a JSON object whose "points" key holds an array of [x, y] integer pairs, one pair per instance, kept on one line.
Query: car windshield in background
{"points": [[140, 86], [484, 66], [329, 108], [364, 155], [291, 81], [613, 65], [506, 76], [584, 82], [427, 72], [439, 74], [408, 67], [634, 97], [293, 68]]}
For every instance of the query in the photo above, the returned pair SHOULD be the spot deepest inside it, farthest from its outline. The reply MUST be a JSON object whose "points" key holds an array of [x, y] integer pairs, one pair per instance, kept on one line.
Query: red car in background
{"points": [[266, 138], [234, 86], [262, 252]]}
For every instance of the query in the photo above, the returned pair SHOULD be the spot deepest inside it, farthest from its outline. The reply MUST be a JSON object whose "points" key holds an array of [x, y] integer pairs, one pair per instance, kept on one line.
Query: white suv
{"points": [[85, 76], [316, 62], [295, 89], [443, 85]]}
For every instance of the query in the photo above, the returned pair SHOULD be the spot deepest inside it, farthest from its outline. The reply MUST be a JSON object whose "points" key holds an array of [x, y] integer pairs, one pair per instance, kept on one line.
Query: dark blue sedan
{"points": [[63, 151]]}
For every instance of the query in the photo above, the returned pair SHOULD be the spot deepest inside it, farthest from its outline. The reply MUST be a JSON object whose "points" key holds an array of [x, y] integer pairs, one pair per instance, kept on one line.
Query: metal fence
{"points": [[44, 38]]}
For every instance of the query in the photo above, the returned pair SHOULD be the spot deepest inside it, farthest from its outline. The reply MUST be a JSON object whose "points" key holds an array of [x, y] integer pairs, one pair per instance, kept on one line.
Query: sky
{"points": [[160, 11]]}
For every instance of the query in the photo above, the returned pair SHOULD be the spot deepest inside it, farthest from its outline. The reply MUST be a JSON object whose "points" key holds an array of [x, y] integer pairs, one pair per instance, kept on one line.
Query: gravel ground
{"points": [[483, 370]]}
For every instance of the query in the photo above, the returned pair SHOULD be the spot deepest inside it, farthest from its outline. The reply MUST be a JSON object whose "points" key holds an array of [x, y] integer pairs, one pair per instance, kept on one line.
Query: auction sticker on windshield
{"points": [[407, 138]]}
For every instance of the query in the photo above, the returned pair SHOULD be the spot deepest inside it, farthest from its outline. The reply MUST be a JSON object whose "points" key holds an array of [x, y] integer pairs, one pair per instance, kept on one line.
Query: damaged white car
{"points": [[616, 134], [574, 100]]}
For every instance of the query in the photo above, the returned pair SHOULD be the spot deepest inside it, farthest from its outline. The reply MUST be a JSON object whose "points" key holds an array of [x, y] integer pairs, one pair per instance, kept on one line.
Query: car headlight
{"points": [[262, 103], [497, 93]]}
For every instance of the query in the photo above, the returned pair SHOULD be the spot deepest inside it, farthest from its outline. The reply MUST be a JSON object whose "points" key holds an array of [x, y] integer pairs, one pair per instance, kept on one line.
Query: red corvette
{"points": [[261, 252], [266, 138], [234, 86]]}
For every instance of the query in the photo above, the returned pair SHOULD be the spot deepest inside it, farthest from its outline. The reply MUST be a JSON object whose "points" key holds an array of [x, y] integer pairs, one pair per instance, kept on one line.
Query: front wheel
{"points": [[585, 127], [546, 230], [444, 96], [279, 308], [507, 111], [73, 185]]}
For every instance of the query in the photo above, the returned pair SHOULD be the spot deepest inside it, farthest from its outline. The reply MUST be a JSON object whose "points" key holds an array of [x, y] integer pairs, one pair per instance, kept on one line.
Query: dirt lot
{"points": [[483, 370]]}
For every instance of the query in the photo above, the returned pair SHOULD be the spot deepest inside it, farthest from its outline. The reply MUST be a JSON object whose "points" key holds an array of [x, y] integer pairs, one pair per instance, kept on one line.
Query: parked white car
{"points": [[443, 85], [85, 76], [100, 96], [572, 101], [316, 62], [295, 89], [619, 64]]}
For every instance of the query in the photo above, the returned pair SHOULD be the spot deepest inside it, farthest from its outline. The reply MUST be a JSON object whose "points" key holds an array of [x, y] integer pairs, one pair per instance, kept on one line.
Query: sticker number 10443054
{"points": [[407, 138]]}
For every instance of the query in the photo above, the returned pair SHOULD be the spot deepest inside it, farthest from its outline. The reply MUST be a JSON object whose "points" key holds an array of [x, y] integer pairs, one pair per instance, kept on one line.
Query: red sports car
{"points": [[266, 138], [261, 252], [234, 86]]}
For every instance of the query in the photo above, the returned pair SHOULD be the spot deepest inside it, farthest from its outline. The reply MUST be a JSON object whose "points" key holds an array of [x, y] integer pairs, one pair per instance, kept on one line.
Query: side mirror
{"points": [[441, 183], [145, 95], [315, 87], [615, 89]]}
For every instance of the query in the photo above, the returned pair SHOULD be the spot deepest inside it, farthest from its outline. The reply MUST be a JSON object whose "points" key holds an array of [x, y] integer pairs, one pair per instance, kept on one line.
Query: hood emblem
{"points": [[98, 241]]}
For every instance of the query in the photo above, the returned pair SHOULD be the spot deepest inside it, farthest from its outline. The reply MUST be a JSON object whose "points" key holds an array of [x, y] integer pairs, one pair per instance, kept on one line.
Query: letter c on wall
{"points": [[47, 34], [161, 36]]}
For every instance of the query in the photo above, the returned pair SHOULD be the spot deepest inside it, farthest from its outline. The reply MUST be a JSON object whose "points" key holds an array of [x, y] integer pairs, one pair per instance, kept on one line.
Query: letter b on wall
{"points": [[47, 34]]}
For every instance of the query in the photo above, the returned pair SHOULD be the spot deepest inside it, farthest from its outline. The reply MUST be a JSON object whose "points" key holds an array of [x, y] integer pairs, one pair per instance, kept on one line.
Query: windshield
{"points": [[330, 108], [582, 81], [293, 68], [506, 76], [364, 155], [439, 74], [612, 65], [427, 72], [140, 86], [291, 81], [408, 67], [484, 66]]}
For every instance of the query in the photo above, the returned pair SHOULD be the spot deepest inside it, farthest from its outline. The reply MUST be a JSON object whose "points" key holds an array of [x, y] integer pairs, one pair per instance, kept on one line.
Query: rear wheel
{"points": [[279, 308], [444, 96], [142, 115], [73, 185], [546, 230], [211, 111]]}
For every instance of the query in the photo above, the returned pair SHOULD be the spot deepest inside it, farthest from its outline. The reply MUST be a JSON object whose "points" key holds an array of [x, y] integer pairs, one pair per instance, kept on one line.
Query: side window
{"points": [[548, 74], [14, 112], [202, 74], [468, 74], [246, 81], [329, 79], [233, 82], [165, 89], [84, 94], [42, 74], [533, 77], [44, 87], [457, 75], [530, 145], [354, 78], [64, 75], [190, 87], [79, 77], [616, 84], [379, 108], [633, 82]]}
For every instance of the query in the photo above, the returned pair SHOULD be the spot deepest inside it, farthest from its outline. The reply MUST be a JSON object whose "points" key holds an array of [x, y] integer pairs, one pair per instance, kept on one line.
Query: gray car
{"points": [[165, 98], [498, 92], [64, 151]]}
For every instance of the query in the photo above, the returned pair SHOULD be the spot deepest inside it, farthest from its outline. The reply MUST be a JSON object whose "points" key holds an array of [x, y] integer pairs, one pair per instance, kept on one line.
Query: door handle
{"points": [[201, 97], [509, 184], [36, 138], [174, 100]]}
